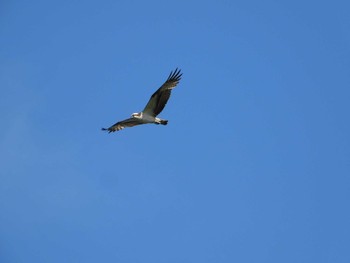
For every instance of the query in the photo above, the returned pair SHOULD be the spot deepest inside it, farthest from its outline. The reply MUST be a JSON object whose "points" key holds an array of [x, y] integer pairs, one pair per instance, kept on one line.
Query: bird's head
{"points": [[137, 115]]}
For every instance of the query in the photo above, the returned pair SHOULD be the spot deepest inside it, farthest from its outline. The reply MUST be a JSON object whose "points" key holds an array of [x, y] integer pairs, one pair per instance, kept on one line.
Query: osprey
{"points": [[154, 106]]}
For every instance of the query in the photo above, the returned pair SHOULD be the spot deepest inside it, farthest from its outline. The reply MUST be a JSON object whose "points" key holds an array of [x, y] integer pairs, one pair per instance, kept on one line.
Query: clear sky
{"points": [[254, 165]]}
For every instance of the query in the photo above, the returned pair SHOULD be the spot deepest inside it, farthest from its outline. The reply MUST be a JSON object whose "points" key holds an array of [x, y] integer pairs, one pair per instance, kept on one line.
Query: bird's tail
{"points": [[164, 122]]}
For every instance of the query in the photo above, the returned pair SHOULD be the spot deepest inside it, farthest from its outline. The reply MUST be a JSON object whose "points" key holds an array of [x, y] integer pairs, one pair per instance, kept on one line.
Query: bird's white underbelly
{"points": [[148, 118]]}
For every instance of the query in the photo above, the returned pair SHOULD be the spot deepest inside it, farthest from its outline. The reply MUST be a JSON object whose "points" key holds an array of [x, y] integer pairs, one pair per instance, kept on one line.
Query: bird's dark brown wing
{"points": [[123, 124], [160, 98]]}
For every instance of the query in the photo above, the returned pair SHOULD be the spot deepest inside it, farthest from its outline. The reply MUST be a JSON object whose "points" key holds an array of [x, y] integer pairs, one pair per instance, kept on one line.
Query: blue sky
{"points": [[253, 166]]}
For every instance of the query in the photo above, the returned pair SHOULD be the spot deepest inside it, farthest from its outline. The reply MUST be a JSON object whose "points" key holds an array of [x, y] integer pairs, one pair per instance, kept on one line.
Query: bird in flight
{"points": [[154, 106]]}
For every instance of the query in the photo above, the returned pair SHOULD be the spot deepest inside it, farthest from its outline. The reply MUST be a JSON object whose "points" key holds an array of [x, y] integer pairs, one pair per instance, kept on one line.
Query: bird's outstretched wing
{"points": [[123, 124], [159, 99]]}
